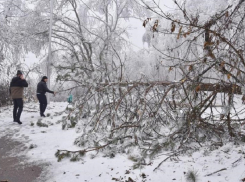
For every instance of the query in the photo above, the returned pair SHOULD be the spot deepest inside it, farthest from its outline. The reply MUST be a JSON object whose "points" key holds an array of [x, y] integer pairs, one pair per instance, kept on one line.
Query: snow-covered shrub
{"points": [[32, 146], [41, 124], [192, 176], [5, 98]]}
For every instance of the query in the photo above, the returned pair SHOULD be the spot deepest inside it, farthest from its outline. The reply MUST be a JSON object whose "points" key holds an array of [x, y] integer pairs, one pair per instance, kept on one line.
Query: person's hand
{"points": [[22, 77], [54, 93]]}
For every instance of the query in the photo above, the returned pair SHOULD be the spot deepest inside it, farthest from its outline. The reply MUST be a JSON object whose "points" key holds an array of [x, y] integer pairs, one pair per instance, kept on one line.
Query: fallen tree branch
{"points": [[93, 148]]}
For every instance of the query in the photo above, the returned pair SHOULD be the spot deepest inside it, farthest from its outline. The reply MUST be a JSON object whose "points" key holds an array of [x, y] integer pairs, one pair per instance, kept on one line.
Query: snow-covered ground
{"points": [[94, 168]]}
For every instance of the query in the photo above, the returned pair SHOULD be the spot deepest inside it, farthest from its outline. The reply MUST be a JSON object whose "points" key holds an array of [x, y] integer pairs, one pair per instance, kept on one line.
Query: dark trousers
{"points": [[43, 102], [18, 107]]}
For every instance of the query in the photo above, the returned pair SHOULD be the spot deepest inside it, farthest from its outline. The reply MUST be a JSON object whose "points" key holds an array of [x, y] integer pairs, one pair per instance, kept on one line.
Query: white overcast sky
{"points": [[137, 30]]}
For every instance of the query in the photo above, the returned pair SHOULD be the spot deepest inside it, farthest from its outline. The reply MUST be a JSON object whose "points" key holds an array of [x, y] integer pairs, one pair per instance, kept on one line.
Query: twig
{"points": [[126, 126], [216, 172], [165, 160], [233, 164], [162, 162]]}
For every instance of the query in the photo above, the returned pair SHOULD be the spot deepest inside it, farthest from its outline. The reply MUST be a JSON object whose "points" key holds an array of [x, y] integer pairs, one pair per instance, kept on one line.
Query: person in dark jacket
{"points": [[16, 91], [41, 91]]}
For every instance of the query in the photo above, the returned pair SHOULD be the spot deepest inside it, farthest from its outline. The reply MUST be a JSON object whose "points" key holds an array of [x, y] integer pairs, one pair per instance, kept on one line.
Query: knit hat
{"points": [[44, 77], [19, 72]]}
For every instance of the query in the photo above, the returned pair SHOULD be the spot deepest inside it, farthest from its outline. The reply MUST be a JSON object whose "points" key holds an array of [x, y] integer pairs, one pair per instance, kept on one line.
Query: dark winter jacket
{"points": [[42, 88], [17, 87]]}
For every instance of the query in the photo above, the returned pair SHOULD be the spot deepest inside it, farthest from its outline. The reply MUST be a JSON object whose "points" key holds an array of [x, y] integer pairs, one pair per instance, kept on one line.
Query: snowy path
{"points": [[41, 143], [15, 168], [46, 141]]}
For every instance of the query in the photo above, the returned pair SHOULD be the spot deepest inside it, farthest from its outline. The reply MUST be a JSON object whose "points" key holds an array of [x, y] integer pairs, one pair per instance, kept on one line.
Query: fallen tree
{"points": [[156, 116]]}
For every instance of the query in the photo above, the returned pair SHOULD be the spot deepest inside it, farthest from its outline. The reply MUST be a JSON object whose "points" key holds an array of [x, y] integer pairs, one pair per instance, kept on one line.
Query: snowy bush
{"points": [[192, 176], [4, 95]]}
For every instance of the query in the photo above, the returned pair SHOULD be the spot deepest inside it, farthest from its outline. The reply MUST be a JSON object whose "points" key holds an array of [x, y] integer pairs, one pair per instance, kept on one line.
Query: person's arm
{"points": [[20, 82], [46, 89], [23, 82], [10, 86]]}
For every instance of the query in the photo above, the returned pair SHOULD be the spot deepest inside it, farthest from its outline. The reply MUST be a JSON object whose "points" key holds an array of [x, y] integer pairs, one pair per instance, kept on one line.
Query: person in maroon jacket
{"points": [[41, 91], [16, 91]]}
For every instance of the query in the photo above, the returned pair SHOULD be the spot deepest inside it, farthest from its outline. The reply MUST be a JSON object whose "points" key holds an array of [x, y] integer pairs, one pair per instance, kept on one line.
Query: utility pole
{"points": [[49, 48]]}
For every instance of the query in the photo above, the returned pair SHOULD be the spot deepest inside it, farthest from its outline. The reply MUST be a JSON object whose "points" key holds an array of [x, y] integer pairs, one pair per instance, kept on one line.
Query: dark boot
{"points": [[42, 115], [19, 122]]}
